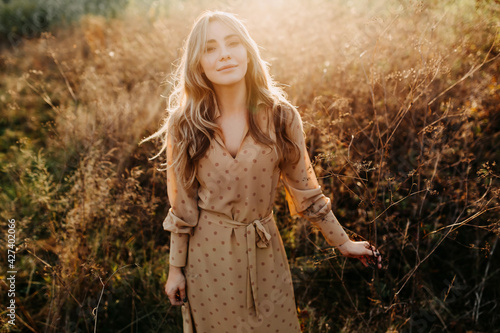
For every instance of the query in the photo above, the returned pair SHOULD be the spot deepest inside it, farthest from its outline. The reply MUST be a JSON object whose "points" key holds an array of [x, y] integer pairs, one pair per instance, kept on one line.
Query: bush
{"points": [[29, 18]]}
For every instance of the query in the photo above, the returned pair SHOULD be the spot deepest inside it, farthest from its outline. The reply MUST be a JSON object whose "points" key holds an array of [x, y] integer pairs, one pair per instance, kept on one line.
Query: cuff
{"points": [[178, 249], [300, 200]]}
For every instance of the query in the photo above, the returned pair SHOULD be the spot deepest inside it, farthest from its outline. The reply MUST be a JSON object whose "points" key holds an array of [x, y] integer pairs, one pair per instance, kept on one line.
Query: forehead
{"points": [[218, 30]]}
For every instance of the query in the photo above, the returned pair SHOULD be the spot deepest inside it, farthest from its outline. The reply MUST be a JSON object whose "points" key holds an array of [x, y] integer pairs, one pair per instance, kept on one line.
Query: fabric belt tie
{"points": [[257, 237]]}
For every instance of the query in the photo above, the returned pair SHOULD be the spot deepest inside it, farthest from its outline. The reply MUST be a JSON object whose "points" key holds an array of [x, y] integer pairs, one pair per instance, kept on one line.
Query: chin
{"points": [[228, 80]]}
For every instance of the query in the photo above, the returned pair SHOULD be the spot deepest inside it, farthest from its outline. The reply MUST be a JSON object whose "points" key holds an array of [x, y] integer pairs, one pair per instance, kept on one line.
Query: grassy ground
{"points": [[401, 108]]}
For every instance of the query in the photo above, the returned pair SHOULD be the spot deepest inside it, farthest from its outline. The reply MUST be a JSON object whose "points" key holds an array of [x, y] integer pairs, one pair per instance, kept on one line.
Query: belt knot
{"points": [[263, 237]]}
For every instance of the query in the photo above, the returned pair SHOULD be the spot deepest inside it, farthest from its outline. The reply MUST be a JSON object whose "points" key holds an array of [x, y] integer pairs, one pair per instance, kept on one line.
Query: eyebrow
{"points": [[225, 38]]}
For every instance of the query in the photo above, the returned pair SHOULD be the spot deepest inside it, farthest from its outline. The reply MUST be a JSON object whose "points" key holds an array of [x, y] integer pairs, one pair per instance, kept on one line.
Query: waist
{"points": [[225, 221]]}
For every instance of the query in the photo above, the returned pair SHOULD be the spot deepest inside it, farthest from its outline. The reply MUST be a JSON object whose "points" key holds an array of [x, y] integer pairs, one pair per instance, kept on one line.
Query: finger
{"points": [[376, 258], [379, 258], [173, 300], [170, 293], [182, 291], [173, 297], [373, 251], [369, 252]]}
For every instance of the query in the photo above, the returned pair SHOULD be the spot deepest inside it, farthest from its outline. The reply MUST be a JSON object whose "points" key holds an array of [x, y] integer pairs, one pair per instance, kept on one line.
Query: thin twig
{"points": [[348, 294], [397, 202], [467, 220], [469, 73], [96, 309], [410, 274], [479, 295], [52, 54]]}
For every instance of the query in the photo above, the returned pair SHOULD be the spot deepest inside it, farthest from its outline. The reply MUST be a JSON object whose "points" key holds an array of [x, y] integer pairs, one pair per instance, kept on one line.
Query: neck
{"points": [[232, 99]]}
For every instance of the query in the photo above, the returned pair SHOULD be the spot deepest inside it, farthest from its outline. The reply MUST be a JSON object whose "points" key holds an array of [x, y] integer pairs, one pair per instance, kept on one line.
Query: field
{"points": [[401, 106]]}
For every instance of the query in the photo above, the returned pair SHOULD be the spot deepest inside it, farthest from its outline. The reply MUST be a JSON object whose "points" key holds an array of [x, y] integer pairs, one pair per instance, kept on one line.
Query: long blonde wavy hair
{"points": [[192, 103]]}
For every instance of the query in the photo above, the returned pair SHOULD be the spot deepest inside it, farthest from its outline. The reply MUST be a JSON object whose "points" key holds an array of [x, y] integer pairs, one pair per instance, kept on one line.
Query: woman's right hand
{"points": [[363, 251], [175, 288]]}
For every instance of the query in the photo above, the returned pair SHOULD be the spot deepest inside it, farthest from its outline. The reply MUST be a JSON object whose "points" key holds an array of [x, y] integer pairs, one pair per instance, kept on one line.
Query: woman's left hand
{"points": [[363, 251]]}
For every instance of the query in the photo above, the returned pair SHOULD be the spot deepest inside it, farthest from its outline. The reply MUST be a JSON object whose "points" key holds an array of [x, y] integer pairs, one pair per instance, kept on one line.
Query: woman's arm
{"points": [[180, 221], [305, 198]]}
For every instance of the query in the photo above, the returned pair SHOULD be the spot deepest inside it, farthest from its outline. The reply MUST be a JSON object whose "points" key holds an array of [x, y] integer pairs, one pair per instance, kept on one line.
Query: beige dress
{"points": [[224, 234]]}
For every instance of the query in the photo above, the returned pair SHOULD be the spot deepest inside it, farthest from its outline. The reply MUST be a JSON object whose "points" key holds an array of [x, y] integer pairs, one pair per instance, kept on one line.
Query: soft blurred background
{"points": [[400, 101]]}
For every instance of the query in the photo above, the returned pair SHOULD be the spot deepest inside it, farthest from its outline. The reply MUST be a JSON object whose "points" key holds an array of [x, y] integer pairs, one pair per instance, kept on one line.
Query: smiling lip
{"points": [[226, 67]]}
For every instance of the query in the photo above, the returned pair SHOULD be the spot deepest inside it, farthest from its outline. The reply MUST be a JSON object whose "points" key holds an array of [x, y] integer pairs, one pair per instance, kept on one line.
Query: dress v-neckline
{"points": [[220, 139]]}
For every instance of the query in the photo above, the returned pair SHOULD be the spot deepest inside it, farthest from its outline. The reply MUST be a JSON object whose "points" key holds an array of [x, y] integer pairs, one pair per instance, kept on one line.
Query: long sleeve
{"points": [[183, 214], [303, 193]]}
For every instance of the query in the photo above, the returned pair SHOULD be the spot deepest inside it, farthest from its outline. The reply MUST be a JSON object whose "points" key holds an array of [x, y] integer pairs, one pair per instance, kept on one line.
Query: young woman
{"points": [[231, 136]]}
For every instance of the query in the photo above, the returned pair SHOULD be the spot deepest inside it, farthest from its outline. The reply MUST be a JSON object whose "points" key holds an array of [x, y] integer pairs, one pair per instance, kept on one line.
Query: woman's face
{"points": [[224, 60]]}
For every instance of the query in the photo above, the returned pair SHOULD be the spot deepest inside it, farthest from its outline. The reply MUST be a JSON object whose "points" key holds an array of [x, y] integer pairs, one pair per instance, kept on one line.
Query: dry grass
{"points": [[400, 101]]}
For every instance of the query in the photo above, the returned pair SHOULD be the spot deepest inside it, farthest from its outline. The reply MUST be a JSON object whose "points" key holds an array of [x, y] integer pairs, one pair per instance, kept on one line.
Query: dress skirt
{"points": [[238, 277]]}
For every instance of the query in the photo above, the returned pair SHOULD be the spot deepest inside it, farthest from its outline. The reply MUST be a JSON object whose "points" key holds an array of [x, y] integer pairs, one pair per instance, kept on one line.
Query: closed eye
{"points": [[233, 41]]}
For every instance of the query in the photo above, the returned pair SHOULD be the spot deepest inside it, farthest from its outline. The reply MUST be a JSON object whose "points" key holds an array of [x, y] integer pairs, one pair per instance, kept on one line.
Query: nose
{"points": [[224, 53]]}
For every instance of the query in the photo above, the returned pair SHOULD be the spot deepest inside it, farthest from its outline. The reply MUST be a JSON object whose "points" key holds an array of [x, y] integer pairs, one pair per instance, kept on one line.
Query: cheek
{"points": [[205, 63], [243, 55]]}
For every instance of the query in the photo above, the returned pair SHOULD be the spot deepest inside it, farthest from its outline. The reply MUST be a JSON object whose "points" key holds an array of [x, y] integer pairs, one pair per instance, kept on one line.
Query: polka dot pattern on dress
{"points": [[241, 189]]}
